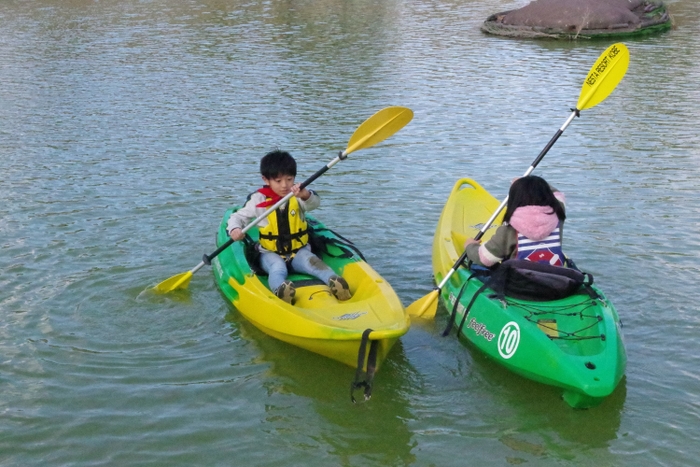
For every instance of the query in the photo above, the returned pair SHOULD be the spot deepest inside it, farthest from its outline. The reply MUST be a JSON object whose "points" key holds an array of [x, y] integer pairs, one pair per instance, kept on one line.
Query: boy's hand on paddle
{"points": [[236, 234], [299, 193]]}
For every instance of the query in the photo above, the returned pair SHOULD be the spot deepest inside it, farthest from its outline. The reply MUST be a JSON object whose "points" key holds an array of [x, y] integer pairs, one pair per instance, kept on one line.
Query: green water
{"points": [[128, 128]]}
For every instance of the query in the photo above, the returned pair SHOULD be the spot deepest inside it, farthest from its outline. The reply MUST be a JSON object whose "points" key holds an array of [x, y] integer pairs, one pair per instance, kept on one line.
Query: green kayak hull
{"points": [[573, 343]]}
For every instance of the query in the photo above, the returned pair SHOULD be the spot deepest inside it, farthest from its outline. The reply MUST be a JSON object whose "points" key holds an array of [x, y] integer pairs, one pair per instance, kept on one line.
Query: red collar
{"points": [[271, 196]]}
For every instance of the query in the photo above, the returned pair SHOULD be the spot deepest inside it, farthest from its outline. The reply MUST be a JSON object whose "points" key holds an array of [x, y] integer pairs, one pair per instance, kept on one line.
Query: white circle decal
{"points": [[508, 339]]}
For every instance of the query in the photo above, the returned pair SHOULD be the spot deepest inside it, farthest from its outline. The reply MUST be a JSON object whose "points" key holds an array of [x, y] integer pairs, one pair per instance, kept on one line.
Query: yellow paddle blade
{"points": [[604, 76], [425, 307], [379, 127], [376, 128], [176, 282]]}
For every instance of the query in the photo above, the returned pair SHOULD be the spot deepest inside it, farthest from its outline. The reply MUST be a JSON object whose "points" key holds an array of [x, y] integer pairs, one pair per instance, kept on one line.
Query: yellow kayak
{"points": [[317, 321]]}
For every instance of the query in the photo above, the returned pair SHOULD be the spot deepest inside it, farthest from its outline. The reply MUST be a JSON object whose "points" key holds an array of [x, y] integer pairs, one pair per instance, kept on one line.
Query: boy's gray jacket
{"points": [[250, 211]]}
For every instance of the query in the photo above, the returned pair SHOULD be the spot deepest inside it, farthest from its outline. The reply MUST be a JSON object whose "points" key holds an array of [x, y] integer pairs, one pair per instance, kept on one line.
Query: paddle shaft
{"points": [[602, 79], [207, 258], [529, 171], [375, 129], [488, 223]]}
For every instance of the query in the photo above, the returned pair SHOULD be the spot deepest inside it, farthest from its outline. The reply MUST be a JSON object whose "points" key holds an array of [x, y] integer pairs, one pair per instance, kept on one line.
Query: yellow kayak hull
{"points": [[317, 321]]}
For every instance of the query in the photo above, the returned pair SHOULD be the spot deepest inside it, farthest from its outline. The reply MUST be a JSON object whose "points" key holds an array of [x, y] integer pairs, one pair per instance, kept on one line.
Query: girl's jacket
{"points": [[535, 222]]}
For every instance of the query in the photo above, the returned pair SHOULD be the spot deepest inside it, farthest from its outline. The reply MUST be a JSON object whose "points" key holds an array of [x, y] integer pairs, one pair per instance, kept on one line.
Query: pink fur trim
{"points": [[535, 222]]}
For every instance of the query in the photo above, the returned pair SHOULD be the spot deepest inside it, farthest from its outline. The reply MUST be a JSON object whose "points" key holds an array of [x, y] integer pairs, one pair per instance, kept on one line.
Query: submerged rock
{"points": [[580, 19]]}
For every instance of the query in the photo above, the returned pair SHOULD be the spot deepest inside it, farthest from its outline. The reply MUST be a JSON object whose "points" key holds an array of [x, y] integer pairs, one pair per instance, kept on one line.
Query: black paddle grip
{"points": [[206, 259], [309, 180]]}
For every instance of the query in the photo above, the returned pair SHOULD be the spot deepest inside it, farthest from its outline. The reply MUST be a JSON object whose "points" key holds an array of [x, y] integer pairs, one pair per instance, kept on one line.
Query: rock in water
{"points": [[580, 19]]}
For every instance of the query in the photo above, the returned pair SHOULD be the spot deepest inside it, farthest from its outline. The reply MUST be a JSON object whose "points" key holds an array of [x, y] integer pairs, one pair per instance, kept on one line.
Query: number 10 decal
{"points": [[508, 340]]}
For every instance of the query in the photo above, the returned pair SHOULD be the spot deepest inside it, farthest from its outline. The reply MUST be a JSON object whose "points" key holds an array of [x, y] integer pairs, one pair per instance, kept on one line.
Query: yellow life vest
{"points": [[286, 231]]}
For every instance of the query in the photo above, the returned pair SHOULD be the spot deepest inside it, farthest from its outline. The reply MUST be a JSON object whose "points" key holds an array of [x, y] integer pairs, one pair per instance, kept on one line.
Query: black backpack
{"points": [[540, 282], [526, 280]]}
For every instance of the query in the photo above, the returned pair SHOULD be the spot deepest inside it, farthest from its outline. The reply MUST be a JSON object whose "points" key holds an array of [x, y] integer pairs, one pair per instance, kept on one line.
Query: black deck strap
{"points": [[587, 285], [453, 315], [469, 307], [371, 367], [347, 251], [475, 273], [347, 243], [321, 243]]}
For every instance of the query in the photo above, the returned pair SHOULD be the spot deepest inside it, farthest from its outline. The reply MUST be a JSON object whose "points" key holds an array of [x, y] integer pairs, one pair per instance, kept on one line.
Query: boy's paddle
{"points": [[603, 77], [375, 129]]}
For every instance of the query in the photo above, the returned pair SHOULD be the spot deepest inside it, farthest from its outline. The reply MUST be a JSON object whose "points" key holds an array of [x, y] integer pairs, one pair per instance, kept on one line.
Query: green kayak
{"points": [[574, 343]]}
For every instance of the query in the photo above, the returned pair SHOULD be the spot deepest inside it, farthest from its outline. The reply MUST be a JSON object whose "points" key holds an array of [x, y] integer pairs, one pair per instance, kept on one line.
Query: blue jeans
{"points": [[304, 262]]}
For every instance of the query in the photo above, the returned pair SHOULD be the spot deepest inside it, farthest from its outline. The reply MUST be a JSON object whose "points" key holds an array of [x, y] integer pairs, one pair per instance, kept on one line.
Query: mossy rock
{"points": [[580, 19]]}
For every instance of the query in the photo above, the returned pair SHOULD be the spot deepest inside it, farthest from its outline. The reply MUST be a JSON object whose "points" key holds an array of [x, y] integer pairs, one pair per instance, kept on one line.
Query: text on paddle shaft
{"points": [[602, 66]]}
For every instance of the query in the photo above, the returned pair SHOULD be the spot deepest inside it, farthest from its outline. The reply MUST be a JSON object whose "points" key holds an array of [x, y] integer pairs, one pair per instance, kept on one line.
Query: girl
{"points": [[531, 229]]}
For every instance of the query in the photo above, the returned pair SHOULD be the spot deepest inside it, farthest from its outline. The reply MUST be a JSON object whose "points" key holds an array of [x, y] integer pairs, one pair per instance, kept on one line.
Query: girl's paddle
{"points": [[375, 129], [603, 77]]}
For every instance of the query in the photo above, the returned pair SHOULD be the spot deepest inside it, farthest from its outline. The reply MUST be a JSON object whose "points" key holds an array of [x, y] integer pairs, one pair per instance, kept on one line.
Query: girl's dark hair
{"points": [[276, 163], [532, 191]]}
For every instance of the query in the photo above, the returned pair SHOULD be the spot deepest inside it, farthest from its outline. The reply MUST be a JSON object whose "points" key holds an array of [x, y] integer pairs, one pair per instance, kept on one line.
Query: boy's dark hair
{"points": [[276, 163], [532, 191]]}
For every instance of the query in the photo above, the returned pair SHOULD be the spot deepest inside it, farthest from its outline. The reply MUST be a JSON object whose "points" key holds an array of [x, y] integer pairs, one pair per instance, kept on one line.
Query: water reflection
{"points": [[540, 405], [375, 431], [129, 127], [481, 402]]}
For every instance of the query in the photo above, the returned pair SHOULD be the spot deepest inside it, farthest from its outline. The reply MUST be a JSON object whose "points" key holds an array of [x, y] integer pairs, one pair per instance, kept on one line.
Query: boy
{"points": [[284, 233]]}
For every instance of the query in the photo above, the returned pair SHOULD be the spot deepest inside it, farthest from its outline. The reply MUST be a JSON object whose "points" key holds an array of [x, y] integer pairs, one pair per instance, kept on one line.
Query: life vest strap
{"points": [[285, 236]]}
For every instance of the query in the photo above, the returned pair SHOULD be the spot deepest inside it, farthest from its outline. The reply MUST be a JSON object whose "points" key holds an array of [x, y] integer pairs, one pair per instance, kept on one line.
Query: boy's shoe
{"points": [[339, 287], [286, 291]]}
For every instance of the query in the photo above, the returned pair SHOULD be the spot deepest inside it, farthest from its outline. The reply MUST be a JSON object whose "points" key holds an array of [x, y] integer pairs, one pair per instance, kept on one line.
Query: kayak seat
{"points": [[324, 242], [253, 257]]}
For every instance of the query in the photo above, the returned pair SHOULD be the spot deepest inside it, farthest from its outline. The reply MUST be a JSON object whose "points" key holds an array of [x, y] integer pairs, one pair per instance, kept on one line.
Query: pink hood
{"points": [[535, 222]]}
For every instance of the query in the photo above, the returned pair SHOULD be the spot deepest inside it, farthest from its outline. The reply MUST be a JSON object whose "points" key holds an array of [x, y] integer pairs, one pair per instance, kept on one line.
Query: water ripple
{"points": [[129, 128]]}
